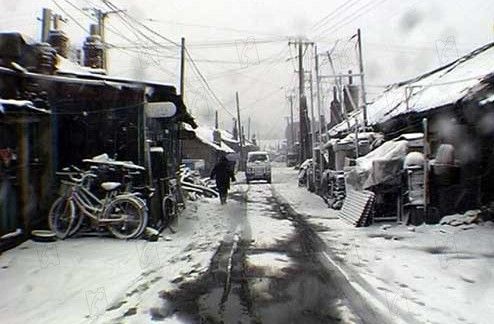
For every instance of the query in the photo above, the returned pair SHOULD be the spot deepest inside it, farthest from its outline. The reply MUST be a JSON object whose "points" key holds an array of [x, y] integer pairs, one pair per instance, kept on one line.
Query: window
{"points": [[258, 157]]}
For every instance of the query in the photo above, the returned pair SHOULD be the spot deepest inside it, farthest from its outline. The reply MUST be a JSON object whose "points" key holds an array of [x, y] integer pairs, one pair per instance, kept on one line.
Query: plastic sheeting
{"points": [[380, 166]]}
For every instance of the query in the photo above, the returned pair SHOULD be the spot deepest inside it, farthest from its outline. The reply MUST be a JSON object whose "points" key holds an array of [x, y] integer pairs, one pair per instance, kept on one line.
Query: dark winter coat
{"points": [[222, 173]]}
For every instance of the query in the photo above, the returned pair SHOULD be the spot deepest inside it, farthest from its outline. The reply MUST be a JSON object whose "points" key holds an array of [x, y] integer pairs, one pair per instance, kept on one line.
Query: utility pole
{"points": [[304, 139], [318, 89], [287, 118], [182, 67], [240, 138], [248, 129], [321, 127], [292, 127], [301, 103], [45, 24], [362, 77], [312, 131]]}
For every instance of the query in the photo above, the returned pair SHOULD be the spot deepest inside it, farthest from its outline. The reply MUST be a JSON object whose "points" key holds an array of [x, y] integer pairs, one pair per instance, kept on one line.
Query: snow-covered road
{"points": [[273, 254], [248, 261], [424, 274]]}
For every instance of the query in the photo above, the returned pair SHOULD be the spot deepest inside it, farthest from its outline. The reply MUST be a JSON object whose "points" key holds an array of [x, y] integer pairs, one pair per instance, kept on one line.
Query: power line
{"points": [[112, 6], [324, 20], [196, 69], [368, 7], [210, 27], [70, 16]]}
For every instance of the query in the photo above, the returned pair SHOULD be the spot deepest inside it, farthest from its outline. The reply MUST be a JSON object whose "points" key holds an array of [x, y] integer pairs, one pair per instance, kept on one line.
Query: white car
{"points": [[258, 167]]}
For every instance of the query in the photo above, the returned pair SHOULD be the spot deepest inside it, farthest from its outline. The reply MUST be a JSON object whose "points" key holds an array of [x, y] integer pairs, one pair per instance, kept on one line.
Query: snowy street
{"points": [[273, 254], [422, 274], [247, 261]]}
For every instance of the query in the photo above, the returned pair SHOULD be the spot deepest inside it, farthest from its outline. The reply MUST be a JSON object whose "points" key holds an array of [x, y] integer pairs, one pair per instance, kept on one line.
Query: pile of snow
{"points": [[470, 217]]}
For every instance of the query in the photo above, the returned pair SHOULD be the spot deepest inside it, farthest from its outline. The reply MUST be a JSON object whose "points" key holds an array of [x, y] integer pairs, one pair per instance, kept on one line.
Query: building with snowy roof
{"points": [[457, 100]]}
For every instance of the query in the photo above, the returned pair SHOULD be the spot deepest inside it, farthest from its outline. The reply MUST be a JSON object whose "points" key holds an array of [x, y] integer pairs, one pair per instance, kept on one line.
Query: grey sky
{"points": [[247, 42]]}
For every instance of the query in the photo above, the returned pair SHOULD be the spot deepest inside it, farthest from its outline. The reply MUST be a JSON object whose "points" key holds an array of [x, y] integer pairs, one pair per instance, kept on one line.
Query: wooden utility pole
{"points": [[321, 127], [312, 131], [248, 129], [302, 104], [426, 151], [318, 89], [362, 77], [292, 127], [182, 67], [304, 149], [240, 138]]}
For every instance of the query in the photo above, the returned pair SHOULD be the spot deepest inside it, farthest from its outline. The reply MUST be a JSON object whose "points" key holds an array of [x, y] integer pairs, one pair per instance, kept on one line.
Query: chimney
{"points": [[93, 49], [352, 91], [216, 132], [58, 39]]}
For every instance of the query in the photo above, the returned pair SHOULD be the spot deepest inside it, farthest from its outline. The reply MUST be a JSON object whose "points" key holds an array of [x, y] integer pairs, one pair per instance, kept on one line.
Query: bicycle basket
{"points": [[65, 188]]}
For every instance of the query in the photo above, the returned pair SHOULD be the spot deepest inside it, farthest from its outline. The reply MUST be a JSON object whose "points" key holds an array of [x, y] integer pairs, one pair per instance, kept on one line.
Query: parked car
{"points": [[258, 166]]}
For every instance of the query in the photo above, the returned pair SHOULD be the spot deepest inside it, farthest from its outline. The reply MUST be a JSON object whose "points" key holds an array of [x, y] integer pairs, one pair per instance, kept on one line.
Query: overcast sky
{"points": [[243, 45]]}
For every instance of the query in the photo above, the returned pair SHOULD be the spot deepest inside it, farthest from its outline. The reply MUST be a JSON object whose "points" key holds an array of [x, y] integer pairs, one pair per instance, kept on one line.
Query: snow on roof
{"points": [[353, 119], [205, 135], [26, 104], [487, 100], [443, 86], [227, 136], [65, 66]]}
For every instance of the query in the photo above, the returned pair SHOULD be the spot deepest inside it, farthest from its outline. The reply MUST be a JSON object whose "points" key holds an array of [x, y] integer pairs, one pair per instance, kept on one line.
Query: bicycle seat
{"points": [[109, 186]]}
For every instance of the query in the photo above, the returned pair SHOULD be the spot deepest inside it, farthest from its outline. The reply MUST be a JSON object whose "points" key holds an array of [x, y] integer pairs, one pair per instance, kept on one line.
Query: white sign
{"points": [[160, 109]]}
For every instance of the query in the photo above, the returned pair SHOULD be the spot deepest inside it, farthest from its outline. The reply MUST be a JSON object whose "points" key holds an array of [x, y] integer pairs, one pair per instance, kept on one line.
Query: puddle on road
{"points": [[219, 296], [292, 289], [283, 283]]}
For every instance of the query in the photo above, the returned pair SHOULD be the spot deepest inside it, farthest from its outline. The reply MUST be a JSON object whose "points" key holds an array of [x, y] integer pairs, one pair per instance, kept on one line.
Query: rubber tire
{"points": [[53, 217], [142, 217], [79, 218], [168, 210]]}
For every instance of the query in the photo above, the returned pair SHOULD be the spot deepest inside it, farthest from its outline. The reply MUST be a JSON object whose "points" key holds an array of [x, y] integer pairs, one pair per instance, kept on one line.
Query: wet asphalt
{"points": [[309, 290]]}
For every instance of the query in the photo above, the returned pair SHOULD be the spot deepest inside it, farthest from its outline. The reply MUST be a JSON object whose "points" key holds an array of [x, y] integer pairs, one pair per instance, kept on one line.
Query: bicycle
{"points": [[173, 203], [124, 214]]}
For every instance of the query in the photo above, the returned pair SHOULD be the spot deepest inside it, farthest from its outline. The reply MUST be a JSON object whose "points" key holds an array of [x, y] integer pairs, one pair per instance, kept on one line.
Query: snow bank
{"points": [[430, 273]]}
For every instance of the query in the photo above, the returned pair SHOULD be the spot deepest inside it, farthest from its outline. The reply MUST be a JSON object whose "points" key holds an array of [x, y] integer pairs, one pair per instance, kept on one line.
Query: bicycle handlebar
{"points": [[84, 176]]}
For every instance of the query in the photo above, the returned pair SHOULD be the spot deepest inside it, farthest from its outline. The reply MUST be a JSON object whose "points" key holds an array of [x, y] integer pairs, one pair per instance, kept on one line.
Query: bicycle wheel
{"points": [[61, 217], [169, 212], [133, 214], [78, 219]]}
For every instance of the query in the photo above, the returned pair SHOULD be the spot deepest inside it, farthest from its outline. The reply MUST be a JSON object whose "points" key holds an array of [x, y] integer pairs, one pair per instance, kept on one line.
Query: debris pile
{"points": [[194, 186]]}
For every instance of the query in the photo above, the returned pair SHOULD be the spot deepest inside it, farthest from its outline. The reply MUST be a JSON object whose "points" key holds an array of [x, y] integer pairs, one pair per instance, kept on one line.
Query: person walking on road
{"points": [[223, 173]]}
